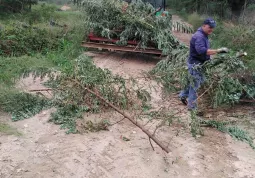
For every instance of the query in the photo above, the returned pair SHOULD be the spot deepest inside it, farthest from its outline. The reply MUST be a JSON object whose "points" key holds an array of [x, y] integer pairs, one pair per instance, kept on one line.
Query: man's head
{"points": [[208, 26]]}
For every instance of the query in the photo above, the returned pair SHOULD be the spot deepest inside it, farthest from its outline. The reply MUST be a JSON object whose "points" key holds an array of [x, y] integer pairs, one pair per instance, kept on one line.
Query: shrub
{"points": [[18, 40], [195, 20], [238, 38], [41, 13]]}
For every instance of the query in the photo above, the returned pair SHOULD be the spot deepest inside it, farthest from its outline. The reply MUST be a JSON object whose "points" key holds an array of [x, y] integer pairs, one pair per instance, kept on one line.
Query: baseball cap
{"points": [[210, 22]]}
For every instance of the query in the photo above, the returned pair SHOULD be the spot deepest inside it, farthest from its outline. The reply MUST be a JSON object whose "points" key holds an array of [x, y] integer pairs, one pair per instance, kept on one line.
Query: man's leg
{"points": [[184, 95], [198, 80]]}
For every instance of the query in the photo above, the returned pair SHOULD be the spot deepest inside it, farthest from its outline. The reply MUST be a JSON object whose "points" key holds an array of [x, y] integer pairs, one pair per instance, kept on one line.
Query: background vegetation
{"points": [[36, 42], [230, 9]]}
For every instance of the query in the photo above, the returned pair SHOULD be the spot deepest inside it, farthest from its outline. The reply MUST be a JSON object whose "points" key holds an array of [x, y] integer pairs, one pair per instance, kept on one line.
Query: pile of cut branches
{"points": [[114, 19], [227, 79], [137, 21], [70, 94], [85, 89]]}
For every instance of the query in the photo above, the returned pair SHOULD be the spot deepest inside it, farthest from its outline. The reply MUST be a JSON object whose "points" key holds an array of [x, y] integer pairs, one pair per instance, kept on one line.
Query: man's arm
{"points": [[211, 52], [201, 49], [216, 51]]}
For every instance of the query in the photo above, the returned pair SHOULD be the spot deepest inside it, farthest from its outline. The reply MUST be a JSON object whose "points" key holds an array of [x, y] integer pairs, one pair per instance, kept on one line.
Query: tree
{"points": [[16, 5], [210, 7], [237, 6]]}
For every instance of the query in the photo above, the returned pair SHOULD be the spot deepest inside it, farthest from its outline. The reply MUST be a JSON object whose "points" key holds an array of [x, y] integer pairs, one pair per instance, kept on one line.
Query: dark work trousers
{"points": [[190, 91]]}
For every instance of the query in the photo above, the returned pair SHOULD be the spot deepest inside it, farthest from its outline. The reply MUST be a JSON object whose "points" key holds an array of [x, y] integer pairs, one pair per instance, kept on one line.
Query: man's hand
{"points": [[223, 50], [124, 8]]}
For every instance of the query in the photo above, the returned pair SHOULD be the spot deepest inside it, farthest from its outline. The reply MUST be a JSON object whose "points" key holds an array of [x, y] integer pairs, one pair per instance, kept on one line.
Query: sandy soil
{"points": [[44, 150]]}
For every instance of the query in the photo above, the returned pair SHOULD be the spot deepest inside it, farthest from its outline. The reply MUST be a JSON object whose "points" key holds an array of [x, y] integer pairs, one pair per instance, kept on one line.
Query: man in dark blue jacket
{"points": [[199, 53]]}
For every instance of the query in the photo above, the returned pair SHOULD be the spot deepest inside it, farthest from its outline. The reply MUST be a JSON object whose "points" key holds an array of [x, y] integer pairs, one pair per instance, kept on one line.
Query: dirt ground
{"points": [[43, 150]]}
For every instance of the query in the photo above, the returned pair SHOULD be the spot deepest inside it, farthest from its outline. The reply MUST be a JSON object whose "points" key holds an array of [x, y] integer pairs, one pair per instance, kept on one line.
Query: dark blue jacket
{"points": [[199, 45]]}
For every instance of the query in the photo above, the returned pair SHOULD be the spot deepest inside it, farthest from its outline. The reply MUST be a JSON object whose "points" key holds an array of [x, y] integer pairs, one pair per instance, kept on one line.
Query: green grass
{"points": [[60, 58], [8, 130], [233, 131], [195, 20], [13, 67], [236, 37]]}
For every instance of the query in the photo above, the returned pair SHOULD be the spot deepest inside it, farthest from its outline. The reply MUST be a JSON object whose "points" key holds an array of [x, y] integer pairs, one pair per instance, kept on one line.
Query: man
{"points": [[199, 53]]}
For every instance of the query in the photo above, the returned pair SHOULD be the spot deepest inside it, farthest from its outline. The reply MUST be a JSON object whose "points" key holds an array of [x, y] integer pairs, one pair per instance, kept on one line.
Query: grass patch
{"points": [[195, 20], [22, 105], [13, 67], [233, 131], [23, 49], [36, 42], [236, 37], [8, 130]]}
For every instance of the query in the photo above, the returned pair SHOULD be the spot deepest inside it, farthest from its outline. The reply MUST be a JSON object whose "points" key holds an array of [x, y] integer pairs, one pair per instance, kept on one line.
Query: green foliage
{"points": [[14, 67], [18, 40], [41, 60], [22, 105], [224, 84], [66, 116], [8, 130], [45, 32], [221, 8], [195, 20], [236, 37], [240, 83], [228, 91], [172, 72], [95, 127], [107, 18], [16, 5], [72, 100], [40, 13], [70, 87], [195, 128]]}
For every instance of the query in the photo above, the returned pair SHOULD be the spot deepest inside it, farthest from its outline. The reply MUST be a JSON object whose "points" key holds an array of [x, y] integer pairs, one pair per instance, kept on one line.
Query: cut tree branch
{"points": [[130, 118], [150, 135]]}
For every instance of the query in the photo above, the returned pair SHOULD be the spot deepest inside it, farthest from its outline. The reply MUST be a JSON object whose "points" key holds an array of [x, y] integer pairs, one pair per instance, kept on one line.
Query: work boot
{"points": [[184, 100]]}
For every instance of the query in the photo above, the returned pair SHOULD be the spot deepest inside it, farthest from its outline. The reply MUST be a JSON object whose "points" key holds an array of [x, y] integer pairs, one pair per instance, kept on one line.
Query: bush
{"points": [[21, 105], [41, 13], [18, 40], [237, 38], [16, 5], [13, 67], [195, 20]]}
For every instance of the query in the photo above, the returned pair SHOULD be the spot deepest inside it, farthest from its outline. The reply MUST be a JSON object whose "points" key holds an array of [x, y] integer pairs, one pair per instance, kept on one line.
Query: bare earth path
{"points": [[45, 151]]}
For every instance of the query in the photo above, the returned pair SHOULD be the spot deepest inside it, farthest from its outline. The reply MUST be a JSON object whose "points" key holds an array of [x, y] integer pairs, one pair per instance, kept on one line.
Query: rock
{"points": [[25, 125]]}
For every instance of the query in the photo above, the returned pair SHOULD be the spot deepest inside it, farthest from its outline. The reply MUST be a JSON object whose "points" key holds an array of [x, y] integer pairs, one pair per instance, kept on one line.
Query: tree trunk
{"points": [[236, 6]]}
